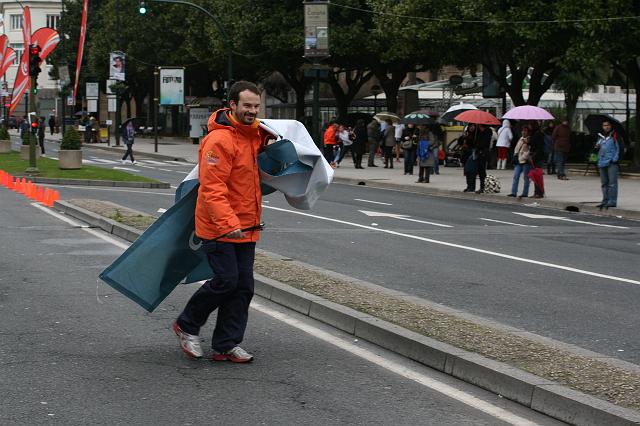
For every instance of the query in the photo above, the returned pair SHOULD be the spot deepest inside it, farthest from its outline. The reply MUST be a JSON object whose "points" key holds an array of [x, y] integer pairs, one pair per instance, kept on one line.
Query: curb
{"points": [[493, 198], [534, 392], [90, 182]]}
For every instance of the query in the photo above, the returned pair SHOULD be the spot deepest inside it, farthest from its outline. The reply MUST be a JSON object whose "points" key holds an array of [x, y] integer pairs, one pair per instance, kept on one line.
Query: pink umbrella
{"points": [[528, 112]]}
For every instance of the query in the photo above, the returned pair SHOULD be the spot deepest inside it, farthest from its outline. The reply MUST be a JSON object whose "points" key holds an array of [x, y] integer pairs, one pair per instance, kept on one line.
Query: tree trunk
{"points": [[297, 82], [636, 150], [390, 85], [571, 103], [354, 81]]}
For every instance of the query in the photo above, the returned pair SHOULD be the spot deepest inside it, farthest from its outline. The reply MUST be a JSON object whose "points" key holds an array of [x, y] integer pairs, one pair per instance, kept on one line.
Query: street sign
{"points": [[198, 118], [109, 84], [92, 105], [111, 103], [316, 29], [93, 90]]}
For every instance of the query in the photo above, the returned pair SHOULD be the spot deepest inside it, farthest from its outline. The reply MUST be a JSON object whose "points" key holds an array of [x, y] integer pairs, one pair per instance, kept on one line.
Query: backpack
{"points": [[423, 150]]}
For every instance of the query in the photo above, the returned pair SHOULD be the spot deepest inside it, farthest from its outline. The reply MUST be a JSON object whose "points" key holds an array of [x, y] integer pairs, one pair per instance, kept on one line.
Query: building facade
{"points": [[44, 13]]}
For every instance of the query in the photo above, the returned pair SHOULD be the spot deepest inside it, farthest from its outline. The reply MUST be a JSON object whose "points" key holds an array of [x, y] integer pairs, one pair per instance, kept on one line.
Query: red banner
{"points": [[83, 32], [4, 42], [47, 39], [7, 60], [22, 82]]}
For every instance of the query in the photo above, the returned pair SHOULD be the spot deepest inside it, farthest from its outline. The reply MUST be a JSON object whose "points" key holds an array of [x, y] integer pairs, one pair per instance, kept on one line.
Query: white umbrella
{"points": [[451, 113], [382, 116]]}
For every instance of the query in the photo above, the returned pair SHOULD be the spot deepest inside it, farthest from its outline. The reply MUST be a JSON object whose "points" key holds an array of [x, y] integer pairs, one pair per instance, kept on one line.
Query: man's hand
{"points": [[237, 234]]}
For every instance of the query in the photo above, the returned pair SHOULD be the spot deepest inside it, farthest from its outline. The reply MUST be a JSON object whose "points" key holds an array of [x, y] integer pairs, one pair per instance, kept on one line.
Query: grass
{"points": [[11, 163]]}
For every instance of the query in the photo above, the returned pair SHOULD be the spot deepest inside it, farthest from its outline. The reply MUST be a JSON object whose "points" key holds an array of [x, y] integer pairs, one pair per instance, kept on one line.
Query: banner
{"points": [[117, 66], [7, 55], [22, 81], [47, 39], [171, 86], [83, 32]]}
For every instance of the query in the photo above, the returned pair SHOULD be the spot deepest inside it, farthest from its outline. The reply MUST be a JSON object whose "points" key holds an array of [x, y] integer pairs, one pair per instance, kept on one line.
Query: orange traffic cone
{"points": [[56, 197], [31, 190], [18, 187], [40, 195], [10, 183]]}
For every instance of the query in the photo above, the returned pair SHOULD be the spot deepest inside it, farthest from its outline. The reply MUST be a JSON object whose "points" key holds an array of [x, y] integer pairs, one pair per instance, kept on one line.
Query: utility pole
{"points": [[34, 70]]}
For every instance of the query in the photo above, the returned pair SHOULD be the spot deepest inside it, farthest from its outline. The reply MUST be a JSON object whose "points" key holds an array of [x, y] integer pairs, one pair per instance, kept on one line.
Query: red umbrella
{"points": [[478, 117]]}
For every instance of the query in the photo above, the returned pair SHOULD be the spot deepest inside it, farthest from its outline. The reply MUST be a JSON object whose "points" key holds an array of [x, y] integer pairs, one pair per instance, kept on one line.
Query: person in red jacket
{"points": [[228, 221]]}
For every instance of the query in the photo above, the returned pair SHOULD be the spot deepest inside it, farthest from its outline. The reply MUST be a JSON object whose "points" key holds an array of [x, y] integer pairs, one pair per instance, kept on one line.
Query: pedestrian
{"points": [[87, 129], [505, 136], [438, 133], [521, 165], [345, 137], [426, 160], [41, 130], [399, 128], [24, 127], [389, 142], [360, 142], [478, 141], [227, 220], [561, 146], [492, 155], [52, 123], [373, 139], [128, 135], [536, 152], [549, 152], [608, 146], [330, 140], [409, 146]]}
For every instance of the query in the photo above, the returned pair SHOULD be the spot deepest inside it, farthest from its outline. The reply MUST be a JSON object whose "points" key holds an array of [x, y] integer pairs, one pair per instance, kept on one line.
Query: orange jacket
{"points": [[229, 195], [330, 135]]}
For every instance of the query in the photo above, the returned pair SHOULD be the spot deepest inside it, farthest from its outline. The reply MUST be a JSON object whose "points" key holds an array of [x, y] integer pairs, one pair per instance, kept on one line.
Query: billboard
{"points": [[316, 29], [171, 86], [117, 66]]}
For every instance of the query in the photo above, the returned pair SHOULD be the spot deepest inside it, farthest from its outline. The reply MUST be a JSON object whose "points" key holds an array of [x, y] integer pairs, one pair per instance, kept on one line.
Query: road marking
{"points": [[460, 246], [168, 170], [508, 223], [365, 354], [100, 160], [126, 168], [179, 163], [95, 188], [402, 217], [565, 219], [395, 367], [155, 163], [85, 161], [59, 216], [162, 210], [373, 202]]}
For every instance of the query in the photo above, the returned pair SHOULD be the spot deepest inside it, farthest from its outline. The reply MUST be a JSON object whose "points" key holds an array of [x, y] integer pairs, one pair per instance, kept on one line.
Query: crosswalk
{"points": [[164, 163]]}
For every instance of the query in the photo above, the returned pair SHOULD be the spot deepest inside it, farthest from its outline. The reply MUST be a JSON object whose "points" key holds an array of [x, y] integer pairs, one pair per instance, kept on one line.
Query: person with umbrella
{"points": [[128, 132], [388, 141], [608, 156], [536, 151], [561, 146], [478, 141], [409, 146]]}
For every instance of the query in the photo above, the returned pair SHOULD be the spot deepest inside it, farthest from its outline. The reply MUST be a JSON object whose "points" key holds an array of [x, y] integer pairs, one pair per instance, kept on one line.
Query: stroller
{"points": [[453, 155]]}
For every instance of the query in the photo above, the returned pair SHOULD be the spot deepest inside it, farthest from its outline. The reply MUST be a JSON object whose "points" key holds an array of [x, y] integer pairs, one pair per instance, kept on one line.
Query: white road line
{"points": [[460, 246], [81, 188], [179, 163], [126, 168], [402, 217], [373, 202], [365, 354], [406, 372], [162, 210], [100, 160], [508, 223], [155, 163], [169, 170], [566, 219], [59, 216], [84, 161]]}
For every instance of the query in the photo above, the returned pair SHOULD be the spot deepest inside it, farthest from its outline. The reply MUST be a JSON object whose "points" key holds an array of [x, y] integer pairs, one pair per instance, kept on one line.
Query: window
{"points": [[16, 22], [19, 48], [53, 21]]}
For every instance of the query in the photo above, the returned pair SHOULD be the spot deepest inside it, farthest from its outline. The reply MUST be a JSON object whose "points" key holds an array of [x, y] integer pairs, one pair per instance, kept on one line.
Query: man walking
{"points": [[608, 147], [373, 139], [227, 221], [561, 146]]}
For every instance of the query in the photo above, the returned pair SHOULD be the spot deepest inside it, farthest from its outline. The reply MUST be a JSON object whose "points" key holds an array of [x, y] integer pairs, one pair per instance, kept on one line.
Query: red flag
{"points": [[83, 31], [47, 39], [7, 60], [4, 42], [22, 81]]}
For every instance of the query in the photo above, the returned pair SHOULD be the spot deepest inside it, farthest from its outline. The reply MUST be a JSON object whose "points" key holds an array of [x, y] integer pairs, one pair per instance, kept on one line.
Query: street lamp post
{"points": [[376, 90]]}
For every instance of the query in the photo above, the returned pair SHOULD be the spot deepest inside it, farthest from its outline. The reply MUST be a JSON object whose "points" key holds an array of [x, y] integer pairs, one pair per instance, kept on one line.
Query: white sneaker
{"points": [[236, 354], [134, 162], [189, 343], [124, 161]]}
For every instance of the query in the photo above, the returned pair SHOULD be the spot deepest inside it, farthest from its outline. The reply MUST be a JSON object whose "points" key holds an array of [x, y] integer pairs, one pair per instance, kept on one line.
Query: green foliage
{"points": [[4, 134], [71, 139]]}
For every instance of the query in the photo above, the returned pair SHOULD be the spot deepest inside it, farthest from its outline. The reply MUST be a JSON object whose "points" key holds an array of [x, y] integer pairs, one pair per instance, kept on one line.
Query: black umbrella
{"points": [[593, 122], [418, 118], [81, 113]]}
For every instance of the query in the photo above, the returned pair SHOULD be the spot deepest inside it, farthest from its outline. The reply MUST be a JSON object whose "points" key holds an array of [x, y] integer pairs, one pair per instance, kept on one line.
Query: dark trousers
{"points": [[41, 142], [425, 173], [230, 291], [329, 153], [129, 152], [388, 156], [409, 160]]}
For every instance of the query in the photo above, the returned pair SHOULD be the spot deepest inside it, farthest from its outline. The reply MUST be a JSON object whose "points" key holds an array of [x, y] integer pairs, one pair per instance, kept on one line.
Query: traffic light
{"points": [[34, 123], [143, 7], [34, 60]]}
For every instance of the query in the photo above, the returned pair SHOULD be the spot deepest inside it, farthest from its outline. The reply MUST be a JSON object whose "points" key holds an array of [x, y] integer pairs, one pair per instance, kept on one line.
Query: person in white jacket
{"points": [[505, 136]]}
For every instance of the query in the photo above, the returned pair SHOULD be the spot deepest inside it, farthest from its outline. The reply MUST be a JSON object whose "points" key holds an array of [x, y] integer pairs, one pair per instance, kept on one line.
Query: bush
{"points": [[4, 134], [71, 139]]}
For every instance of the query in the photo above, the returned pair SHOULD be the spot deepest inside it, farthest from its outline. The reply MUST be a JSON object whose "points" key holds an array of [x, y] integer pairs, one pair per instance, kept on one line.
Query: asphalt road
{"points": [[74, 351], [571, 277]]}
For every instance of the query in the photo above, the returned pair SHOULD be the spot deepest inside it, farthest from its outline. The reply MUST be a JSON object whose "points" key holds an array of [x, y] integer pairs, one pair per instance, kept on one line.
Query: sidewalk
{"points": [[580, 192]]}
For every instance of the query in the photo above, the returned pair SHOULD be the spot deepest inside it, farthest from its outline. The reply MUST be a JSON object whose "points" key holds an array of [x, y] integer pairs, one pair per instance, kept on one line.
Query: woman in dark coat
{"points": [[359, 143], [536, 152]]}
